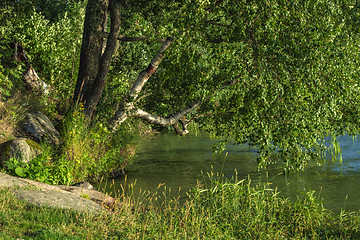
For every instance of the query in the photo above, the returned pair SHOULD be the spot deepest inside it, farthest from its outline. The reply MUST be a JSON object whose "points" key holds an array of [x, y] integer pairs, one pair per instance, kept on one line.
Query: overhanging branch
{"points": [[163, 121], [142, 78]]}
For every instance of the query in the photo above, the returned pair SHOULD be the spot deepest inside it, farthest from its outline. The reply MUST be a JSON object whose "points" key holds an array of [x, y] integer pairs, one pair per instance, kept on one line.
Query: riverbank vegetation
{"points": [[223, 210], [87, 150], [278, 75]]}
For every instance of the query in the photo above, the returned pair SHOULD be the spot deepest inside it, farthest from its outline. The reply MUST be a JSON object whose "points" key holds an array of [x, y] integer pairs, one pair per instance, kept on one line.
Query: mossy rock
{"points": [[40, 128], [21, 149]]}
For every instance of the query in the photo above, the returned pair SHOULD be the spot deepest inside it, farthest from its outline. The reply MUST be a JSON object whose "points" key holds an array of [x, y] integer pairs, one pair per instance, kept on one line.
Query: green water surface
{"points": [[179, 162]]}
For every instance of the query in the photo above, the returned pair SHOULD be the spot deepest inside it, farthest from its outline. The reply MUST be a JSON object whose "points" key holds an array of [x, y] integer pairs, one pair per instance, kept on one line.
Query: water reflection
{"points": [[179, 162]]}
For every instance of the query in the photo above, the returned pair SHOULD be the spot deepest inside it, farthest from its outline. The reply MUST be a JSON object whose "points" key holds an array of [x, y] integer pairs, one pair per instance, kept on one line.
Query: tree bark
{"points": [[149, 71], [30, 77], [128, 103], [123, 38], [163, 121], [91, 49], [97, 88]]}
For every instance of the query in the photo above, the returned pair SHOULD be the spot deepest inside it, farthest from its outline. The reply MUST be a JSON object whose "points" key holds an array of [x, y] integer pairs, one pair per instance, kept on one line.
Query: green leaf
{"points": [[20, 171]]}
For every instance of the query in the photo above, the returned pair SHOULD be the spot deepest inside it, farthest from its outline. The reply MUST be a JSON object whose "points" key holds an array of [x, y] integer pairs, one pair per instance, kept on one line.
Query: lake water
{"points": [[178, 162]]}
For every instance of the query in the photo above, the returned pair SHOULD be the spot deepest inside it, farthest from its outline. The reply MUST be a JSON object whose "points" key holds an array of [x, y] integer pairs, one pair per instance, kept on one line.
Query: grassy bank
{"points": [[224, 210], [86, 151]]}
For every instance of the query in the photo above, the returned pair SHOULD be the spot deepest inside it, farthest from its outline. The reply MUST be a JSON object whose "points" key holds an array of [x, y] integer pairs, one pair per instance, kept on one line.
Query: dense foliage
{"points": [[51, 32], [52, 47], [280, 75]]}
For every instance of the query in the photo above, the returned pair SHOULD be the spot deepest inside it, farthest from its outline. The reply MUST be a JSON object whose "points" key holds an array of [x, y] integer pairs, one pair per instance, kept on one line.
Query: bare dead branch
{"points": [[30, 77]]}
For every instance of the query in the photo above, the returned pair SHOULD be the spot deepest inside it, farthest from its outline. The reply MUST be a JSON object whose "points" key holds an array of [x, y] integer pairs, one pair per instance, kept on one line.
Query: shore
{"points": [[225, 210]]}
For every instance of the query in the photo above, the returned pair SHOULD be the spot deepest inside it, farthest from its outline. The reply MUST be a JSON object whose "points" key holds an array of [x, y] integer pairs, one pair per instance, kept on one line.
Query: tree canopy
{"points": [[279, 75]]}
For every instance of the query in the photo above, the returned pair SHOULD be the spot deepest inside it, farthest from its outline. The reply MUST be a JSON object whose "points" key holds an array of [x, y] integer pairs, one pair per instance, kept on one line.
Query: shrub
{"points": [[53, 48]]}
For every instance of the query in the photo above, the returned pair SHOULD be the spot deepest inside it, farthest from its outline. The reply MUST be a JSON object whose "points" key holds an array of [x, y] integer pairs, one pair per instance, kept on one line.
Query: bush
{"points": [[53, 48], [92, 151]]}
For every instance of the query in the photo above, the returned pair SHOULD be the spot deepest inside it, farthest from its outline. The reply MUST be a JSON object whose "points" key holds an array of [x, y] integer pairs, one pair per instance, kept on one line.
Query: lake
{"points": [[178, 162]]}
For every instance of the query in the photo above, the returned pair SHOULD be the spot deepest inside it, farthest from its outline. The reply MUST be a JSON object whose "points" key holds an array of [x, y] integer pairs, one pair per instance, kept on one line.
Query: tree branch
{"points": [[123, 38], [149, 71], [30, 77], [129, 39], [142, 78], [163, 121]]}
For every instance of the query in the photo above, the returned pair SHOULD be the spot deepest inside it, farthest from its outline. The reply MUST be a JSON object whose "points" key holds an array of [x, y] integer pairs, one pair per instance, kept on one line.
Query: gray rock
{"points": [[91, 194], [61, 196], [38, 126], [59, 200], [85, 185], [21, 149], [10, 181]]}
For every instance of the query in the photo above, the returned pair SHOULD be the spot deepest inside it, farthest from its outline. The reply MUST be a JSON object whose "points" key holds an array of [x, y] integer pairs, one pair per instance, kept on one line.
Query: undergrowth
{"points": [[86, 153], [224, 210]]}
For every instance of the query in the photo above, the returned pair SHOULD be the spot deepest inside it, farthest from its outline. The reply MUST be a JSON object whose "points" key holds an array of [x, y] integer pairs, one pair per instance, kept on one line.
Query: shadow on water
{"points": [[178, 162]]}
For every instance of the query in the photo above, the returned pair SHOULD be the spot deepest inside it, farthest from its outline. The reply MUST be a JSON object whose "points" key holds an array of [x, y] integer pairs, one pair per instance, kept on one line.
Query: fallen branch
{"points": [[30, 77]]}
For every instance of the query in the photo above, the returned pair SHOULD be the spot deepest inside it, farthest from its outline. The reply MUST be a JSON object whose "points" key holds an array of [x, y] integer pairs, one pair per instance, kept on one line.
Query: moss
{"points": [[86, 196], [5, 150], [33, 144]]}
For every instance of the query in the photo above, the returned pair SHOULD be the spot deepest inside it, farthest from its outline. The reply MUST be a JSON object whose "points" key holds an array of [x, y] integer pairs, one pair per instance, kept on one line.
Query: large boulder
{"points": [[58, 199], [40, 128], [80, 197], [22, 149], [7, 181]]}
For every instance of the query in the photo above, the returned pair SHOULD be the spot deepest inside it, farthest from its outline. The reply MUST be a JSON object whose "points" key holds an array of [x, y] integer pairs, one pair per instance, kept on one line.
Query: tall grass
{"points": [[93, 151], [224, 210], [85, 153]]}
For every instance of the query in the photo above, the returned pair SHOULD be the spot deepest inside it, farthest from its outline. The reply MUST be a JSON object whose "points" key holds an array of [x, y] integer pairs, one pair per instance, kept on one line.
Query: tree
{"points": [[280, 75]]}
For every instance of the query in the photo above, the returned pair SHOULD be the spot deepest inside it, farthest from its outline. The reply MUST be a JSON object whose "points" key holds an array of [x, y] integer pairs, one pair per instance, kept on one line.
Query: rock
{"points": [[10, 181], [39, 127], [21, 149], [59, 200], [93, 195], [85, 185], [61, 196]]}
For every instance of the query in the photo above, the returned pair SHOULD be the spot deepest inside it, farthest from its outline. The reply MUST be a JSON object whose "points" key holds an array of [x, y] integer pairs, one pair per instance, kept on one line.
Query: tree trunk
{"points": [[91, 48], [97, 87], [95, 63]]}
